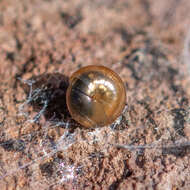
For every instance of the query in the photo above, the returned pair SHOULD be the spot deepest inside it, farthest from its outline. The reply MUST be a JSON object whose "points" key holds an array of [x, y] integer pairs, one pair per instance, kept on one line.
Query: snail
{"points": [[96, 96]]}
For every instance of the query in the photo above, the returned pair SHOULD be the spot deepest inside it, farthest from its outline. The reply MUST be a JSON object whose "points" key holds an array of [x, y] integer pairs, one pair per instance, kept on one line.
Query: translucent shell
{"points": [[96, 96]]}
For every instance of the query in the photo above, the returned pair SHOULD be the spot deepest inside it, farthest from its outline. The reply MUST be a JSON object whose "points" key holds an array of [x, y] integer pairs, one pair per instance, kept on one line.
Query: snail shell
{"points": [[96, 96]]}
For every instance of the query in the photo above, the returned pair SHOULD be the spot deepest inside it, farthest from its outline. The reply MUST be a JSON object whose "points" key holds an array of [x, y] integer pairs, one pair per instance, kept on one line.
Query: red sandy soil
{"points": [[147, 43]]}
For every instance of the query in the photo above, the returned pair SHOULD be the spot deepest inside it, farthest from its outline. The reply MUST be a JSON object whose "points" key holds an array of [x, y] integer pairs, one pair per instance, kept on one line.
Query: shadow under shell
{"points": [[49, 91]]}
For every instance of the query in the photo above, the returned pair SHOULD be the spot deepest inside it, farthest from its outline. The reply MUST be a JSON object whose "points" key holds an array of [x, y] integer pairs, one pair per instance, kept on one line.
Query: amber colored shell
{"points": [[96, 96]]}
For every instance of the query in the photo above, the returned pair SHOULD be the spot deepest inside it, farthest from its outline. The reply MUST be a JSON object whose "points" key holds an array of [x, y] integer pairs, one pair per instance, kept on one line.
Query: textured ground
{"points": [[146, 42]]}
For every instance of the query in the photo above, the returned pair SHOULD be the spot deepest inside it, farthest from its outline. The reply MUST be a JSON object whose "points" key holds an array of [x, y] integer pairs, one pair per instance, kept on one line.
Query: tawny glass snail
{"points": [[96, 96]]}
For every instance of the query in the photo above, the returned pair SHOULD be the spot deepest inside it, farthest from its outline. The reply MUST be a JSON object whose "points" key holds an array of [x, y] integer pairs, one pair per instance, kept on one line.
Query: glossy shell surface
{"points": [[96, 96]]}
